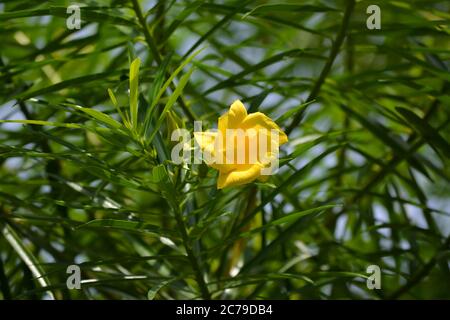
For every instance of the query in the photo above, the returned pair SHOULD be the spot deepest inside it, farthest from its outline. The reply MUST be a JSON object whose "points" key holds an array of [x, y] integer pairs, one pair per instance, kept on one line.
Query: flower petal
{"points": [[243, 175], [222, 124], [259, 120], [236, 114], [233, 174]]}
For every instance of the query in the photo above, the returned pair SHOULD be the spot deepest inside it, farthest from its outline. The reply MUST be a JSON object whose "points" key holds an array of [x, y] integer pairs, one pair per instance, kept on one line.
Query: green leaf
{"points": [[288, 218], [134, 91], [27, 256], [45, 123], [172, 99], [290, 113], [172, 76], [423, 128], [286, 7], [160, 174], [294, 53], [217, 26], [97, 115], [4, 16], [67, 84], [380, 132], [154, 290], [90, 14], [123, 116], [135, 226], [154, 92]]}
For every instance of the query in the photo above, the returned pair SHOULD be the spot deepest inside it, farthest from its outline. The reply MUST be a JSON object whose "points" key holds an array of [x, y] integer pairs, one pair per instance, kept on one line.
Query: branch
{"points": [[191, 255], [422, 273], [326, 69], [154, 49]]}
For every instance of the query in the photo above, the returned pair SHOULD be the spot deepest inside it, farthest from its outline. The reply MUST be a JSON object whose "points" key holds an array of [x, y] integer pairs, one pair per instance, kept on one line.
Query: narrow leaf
{"points": [[134, 91]]}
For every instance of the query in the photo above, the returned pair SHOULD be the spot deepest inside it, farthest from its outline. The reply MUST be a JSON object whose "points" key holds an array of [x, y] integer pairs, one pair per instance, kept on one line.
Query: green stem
{"points": [[154, 49], [421, 274], [147, 35], [4, 284], [326, 69], [191, 256]]}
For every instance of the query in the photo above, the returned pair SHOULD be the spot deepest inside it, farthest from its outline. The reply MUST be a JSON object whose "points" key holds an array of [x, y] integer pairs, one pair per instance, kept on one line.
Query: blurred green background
{"points": [[364, 179]]}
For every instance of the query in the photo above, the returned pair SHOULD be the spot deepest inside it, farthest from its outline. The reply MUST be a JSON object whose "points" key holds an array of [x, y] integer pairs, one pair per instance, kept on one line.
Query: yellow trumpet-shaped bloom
{"points": [[244, 146]]}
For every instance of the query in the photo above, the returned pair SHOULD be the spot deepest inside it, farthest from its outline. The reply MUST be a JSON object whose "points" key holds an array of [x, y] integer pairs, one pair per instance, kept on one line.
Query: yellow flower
{"points": [[244, 148]]}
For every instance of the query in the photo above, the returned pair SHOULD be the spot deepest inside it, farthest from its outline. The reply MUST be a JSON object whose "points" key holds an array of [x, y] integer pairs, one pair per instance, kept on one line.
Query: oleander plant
{"points": [[105, 106]]}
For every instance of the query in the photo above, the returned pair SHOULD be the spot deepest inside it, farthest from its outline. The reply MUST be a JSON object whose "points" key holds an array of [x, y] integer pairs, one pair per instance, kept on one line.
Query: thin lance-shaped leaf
{"points": [[286, 7], [112, 97], [131, 52], [154, 290], [27, 257], [91, 15], [214, 7], [249, 279], [45, 123], [288, 182], [257, 100], [68, 83], [178, 20], [183, 81], [154, 91], [134, 91], [98, 115], [123, 116], [24, 13], [335, 48], [385, 135], [288, 218], [126, 225], [217, 26], [159, 78], [426, 131], [293, 111], [161, 148], [274, 59], [169, 81], [443, 74], [102, 200], [298, 226]]}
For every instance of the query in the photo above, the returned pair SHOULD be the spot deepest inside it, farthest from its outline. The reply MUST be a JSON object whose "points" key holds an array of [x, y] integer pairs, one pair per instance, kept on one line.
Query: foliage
{"points": [[86, 176]]}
